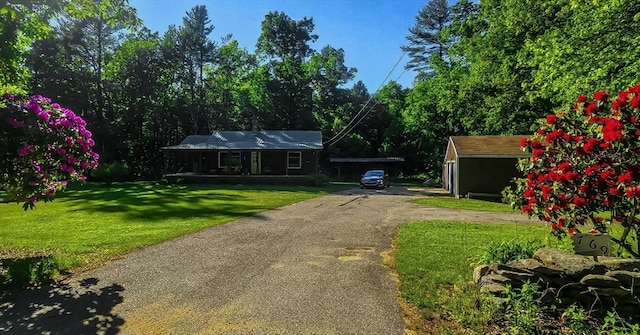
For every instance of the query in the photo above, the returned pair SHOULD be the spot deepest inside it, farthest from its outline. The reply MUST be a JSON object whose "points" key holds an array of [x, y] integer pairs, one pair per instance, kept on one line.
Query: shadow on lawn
{"points": [[83, 308], [159, 202]]}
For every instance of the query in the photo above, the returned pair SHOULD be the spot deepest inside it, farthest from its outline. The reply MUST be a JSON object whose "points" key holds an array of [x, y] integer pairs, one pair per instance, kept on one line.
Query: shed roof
{"points": [[252, 140], [498, 146]]}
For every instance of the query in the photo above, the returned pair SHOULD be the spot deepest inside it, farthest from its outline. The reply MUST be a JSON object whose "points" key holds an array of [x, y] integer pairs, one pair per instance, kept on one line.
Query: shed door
{"points": [[452, 178], [256, 162]]}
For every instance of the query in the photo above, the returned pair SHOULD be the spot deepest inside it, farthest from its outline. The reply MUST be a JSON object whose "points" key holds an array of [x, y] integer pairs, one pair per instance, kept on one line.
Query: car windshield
{"points": [[375, 173]]}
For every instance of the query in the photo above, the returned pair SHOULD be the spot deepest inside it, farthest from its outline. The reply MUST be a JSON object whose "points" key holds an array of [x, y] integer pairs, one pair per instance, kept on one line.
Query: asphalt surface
{"points": [[315, 267]]}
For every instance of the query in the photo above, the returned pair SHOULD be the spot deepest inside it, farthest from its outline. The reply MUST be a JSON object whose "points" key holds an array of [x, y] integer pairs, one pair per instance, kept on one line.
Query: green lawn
{"points": [[94, 222], [464, 203], [433, 256]]}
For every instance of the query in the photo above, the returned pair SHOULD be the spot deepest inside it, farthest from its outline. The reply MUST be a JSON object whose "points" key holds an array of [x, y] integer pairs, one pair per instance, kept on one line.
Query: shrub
{"points": [[109, 173], [504, 252], [319, 179], [584, 169], [44, 146]]}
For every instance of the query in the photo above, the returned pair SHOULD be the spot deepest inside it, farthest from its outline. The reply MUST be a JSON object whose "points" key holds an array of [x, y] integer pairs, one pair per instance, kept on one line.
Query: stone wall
{"points": [[602, 286]]}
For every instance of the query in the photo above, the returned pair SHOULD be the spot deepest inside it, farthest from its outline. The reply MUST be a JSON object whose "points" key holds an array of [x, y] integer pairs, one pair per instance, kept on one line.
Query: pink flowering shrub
{"points": [[584, 170], [43, 146]]}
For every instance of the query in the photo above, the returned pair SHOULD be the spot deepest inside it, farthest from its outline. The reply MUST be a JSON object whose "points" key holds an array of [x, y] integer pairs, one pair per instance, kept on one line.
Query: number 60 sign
{"points": [[591, 245]]}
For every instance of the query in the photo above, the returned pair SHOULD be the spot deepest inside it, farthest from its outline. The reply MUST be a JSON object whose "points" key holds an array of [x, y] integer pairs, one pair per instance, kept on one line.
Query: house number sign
{"points": [[591, 245]]}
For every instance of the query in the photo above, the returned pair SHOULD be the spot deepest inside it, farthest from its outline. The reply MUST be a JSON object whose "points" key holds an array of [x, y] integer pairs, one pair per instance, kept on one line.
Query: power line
{"points": [[349, 127]]}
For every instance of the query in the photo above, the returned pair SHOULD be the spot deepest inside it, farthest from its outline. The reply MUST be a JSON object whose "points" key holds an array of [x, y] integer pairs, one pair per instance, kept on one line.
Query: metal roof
{"points": [[251, 140], [367, 160], [485, 146]]}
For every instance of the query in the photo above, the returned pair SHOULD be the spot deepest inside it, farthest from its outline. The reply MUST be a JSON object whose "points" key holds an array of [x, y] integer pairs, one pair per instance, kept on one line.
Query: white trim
{"points": [[299, 160]]}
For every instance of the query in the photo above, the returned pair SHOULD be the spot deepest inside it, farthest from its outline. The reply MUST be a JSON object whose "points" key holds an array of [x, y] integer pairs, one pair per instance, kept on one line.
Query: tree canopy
{"points": [[487, 67]]}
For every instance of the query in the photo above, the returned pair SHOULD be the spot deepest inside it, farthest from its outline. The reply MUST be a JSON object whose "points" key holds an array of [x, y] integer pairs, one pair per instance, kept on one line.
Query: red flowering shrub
{"points": [[584, 170], [43, 146]]}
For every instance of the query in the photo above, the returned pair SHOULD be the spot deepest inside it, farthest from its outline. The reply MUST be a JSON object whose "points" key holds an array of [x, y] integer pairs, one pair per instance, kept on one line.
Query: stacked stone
{"points": [[598, 286]]}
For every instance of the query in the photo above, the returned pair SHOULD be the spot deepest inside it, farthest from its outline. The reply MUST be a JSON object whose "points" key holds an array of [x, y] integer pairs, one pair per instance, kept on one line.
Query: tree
{"points": [[285, 43], [584, 169], [21, 23], [199, 51], [426, 38], [44, 147]]}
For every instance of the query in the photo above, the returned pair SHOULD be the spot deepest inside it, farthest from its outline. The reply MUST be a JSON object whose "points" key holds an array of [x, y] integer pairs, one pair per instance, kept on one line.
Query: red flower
{"points": [[625, 178], [583, 188], [635, 102], [572, 231], [615, 191], [552, 119], [537, 145], [592, 169], [579, 201], [526, 209], [591, 109], [582, 98], [570, 176], [524, 142], [591, 145], [537, 153], [529, 193], [600, 95], [554, 227], [607, 174]]}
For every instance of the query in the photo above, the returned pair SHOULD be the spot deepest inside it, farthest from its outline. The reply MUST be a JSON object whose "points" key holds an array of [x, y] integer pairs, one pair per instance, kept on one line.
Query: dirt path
{"points": [[314, 267]]}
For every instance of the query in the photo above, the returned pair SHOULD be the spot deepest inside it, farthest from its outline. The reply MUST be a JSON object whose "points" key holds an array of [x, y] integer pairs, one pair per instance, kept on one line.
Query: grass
{"points": [[466, 204], [436, 258], [91, 223]]}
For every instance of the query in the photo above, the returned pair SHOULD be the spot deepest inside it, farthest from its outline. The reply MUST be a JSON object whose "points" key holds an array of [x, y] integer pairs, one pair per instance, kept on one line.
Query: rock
{"points": [[600, 281], [479, 272], [627, 278], [495, 289], [493, 278], [520, 276], [574, 266], [531, 265], [622, 264], [609, 291]]}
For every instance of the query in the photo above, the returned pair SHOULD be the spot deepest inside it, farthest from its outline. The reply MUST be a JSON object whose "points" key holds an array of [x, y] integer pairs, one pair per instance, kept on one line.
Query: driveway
{"points": [[315, 267]]}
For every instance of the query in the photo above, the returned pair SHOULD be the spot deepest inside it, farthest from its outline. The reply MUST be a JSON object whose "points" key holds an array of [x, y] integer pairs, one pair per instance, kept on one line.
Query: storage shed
{"points": [[481, 164]]}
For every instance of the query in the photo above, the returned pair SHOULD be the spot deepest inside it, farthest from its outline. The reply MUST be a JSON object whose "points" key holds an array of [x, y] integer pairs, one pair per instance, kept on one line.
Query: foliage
{"points": [[469, 306], [22, 272], [615, 325], [44, 147], [319, 179], [584, 165], [426, 38], [524, 310], [503, 252], [111, 172]]}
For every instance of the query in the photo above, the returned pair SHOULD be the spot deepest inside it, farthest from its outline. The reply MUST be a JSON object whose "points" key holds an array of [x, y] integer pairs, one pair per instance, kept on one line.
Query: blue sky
{"points": [[370, 31]]}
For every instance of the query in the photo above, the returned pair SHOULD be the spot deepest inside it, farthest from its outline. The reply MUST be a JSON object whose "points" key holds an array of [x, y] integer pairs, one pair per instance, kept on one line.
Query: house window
{"points": [[294, 160], [228, 159]]}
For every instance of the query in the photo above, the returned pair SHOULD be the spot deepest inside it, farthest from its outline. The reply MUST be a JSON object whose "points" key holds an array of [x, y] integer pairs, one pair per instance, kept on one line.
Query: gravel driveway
{"points": [[314, 267]]}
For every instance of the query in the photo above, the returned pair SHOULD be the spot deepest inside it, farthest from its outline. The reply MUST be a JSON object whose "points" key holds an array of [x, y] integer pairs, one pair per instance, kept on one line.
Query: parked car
{"points": [[375, 179]]}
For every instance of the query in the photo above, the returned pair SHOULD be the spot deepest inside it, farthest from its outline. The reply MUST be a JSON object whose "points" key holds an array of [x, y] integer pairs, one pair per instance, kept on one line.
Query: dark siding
{"points": [[485, 175], [275, 163]]}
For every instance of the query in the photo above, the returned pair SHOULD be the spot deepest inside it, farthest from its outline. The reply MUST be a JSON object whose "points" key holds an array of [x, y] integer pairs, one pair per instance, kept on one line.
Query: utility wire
{"points": [[349, 127]]}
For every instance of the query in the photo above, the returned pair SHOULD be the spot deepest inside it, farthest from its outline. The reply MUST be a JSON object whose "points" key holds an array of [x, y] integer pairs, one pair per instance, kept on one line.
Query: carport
{"points": [[351, 167]]}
